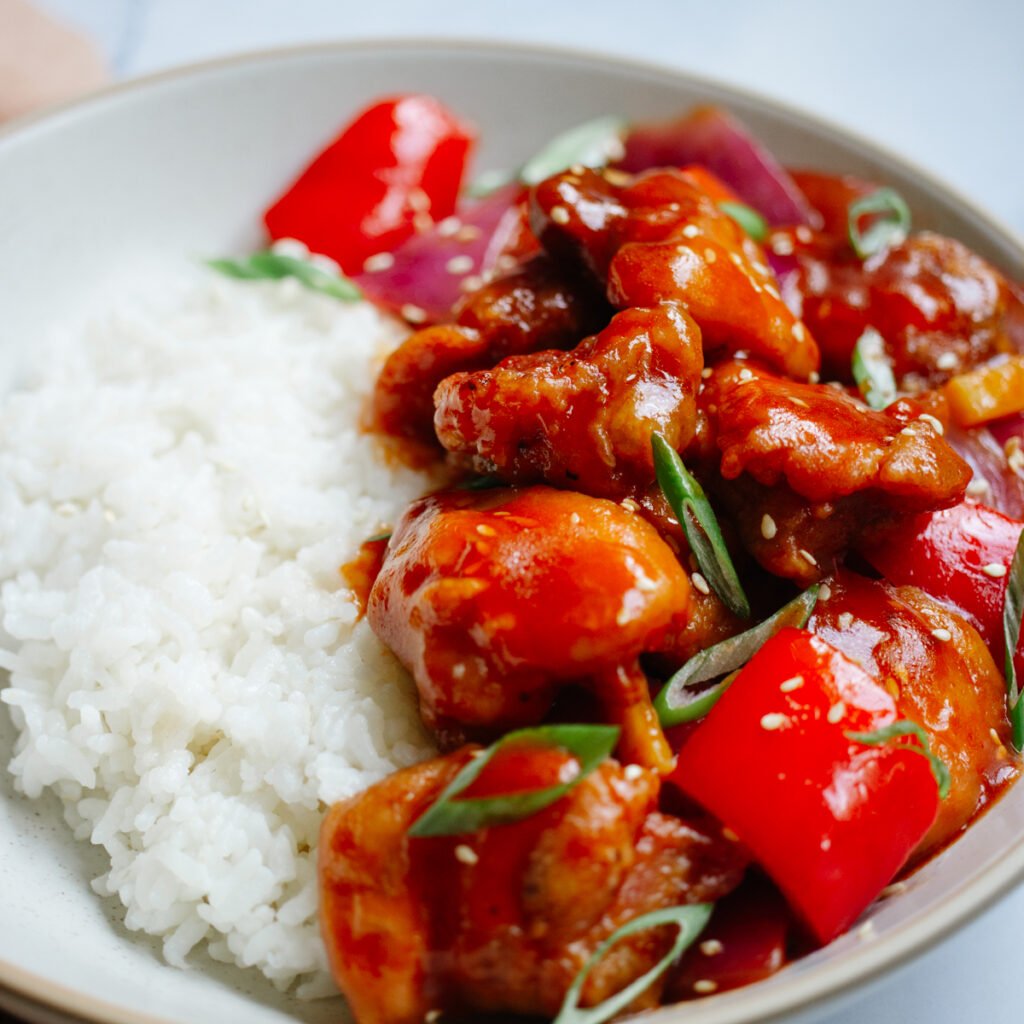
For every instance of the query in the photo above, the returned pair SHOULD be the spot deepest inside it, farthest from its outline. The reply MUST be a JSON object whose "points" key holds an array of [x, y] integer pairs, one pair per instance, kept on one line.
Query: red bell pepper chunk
{"points": [[395, 169], [959, 555], [830, 819]]}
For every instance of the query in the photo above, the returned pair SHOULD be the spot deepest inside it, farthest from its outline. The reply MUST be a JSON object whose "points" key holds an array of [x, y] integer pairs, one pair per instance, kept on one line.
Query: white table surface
{"points": [[940, 82]]}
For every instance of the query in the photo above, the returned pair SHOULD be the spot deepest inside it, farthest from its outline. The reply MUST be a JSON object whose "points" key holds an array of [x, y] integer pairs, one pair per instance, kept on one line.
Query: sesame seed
{"points": [[629, 505], [616, 177], [893, 890], [706, 372], [466, 854], [711, 947], [458, 670], [845, 620], [575, 519], [947, 361], [836, 713], [824, 592], [432, 1016], [791, 684], [935, 424], [996, 738], [418, 199], [994, 569], [449, 226], [468, 233], [745, 374], [768, 527], [422, 221], [808, 557], [710, 255], [559, 214], [379, 261], [773, 720], [727, 833], [770, 289], [414, 314], [942, 634], [691, 231], [486, 531], [471, 282], [705, 986], [803, 234], [782, 245], [459, 265], [978, 486], [633, 772], [700, 583], [799, 331], [866, 930], [814, 377]]}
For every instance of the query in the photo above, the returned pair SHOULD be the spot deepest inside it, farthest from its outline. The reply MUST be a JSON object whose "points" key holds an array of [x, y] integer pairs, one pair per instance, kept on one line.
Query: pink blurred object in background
{"points": [[41, 61]]}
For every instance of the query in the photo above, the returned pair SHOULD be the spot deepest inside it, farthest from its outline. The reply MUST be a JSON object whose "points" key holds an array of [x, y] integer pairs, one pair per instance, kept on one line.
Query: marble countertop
{"points": [[939, 82]]}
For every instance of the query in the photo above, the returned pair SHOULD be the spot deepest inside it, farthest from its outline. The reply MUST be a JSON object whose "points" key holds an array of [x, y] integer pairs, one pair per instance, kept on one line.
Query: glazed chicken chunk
{"points": [[532, 307], [503, 919], [657, 238], [496, 599], [581, 419]]}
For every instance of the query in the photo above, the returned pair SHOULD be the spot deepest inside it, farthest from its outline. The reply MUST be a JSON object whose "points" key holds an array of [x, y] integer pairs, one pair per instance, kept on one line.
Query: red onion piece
{"points": [[424, 277], [717, 141], [983, 451]]}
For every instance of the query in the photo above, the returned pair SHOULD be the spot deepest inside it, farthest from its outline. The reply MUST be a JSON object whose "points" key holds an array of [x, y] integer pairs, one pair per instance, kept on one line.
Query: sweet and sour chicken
{"points": [[574, 573]]}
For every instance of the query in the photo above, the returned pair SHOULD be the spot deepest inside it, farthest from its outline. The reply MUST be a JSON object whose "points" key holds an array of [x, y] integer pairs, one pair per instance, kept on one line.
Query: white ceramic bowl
{"points": [[146, 176]]}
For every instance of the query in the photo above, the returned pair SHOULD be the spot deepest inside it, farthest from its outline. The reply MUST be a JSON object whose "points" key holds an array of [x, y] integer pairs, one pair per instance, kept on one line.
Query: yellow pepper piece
{"points": [[987, 393]]}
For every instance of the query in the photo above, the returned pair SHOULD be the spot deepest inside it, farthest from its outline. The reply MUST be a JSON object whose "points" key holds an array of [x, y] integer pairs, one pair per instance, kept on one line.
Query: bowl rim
{"points": [[24, 991]]}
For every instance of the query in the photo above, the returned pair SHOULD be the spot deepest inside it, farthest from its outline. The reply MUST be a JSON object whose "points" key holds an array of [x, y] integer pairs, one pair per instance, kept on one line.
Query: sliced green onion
{"points": [[677, 702], [747, 217], [269, 265], [904, 727], [690, 920], [697, 518], [890, 223], [448, 816], [872, 370], [480, 483], [1013, 609], [378, 537], [591, 144]]}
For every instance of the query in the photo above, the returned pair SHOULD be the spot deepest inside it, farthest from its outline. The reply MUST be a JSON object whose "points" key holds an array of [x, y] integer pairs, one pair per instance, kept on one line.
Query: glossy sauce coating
{"points": [[495, 599], [504, 918], [581, 419], [656, 238], [531, 307], [936, 666]]}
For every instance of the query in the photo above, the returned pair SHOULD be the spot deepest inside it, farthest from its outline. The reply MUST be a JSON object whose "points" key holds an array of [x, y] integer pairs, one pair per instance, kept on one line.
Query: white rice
{"points": [[178, 489]]}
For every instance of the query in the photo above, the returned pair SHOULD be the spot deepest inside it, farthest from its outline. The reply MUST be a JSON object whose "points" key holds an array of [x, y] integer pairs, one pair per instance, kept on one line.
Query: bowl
{"points": [[145, 176]]}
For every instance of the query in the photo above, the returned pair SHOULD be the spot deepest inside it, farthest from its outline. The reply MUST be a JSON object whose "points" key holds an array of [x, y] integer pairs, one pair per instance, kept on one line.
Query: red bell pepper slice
{"points": [[959, 555], [830, 819], [395, 169]]}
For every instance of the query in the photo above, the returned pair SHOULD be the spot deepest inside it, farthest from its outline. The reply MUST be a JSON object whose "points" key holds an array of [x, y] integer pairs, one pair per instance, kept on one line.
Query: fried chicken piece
{"points": [[826, 445], [534, 306], [580, 419], [503, 919], [495, 599], [655, 238], [942, 676], [940, 308]]}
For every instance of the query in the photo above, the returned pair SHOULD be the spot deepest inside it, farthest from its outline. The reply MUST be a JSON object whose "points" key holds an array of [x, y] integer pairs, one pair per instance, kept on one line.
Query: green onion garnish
{"points": [[377, 537], [872, 371], [690, 920], [678, 700], [1013, 609], [480, 483], [448, 816], [904, 727], [890, 222], [591, 144], [269, 265], [748, 218], [697, 518]]}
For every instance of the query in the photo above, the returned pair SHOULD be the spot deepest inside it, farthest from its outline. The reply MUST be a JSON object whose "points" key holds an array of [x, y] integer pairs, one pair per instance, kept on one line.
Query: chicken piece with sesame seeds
{"points": [[502, 919], [942, 676], [581, 419], [495, 600], [657, 237], [534, 306], [940, 308]]}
